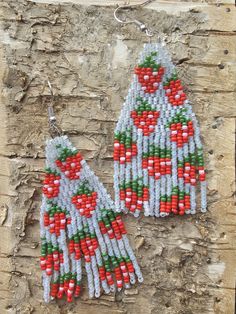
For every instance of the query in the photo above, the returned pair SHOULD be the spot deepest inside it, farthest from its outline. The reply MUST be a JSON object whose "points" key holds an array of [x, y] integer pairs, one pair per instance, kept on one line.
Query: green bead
{"points": [[67, 277], [76, 239], [175, 191], [181, 195]]}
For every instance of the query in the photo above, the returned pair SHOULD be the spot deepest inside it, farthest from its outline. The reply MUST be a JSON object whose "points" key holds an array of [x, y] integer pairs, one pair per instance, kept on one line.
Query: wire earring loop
{"points": [[141, 25], [54, 130]]}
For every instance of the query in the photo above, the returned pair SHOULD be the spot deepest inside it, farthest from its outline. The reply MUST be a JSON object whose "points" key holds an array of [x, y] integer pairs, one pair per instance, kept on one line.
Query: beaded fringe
{"points": [[158, 156], [78, 223]]}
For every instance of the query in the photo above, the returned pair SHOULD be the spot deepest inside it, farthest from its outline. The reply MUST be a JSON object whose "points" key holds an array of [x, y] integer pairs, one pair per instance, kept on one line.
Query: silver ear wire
{"points": [[141, 25], [54, 130], [50, 87]]}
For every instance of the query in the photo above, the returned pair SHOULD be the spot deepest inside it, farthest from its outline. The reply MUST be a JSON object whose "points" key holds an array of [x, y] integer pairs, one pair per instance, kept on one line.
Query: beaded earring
{"points": [[158, 156], [79, 227]]}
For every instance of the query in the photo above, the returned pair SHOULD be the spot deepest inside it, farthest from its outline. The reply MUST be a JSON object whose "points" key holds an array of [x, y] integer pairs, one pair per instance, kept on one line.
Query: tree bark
{"points": [[188, 262]]}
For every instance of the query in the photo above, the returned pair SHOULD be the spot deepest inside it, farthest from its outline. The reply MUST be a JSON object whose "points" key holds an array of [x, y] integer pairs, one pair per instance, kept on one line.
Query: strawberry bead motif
{"points": [[157, 161], [51, 183], [181, 129], [134, 194], [149, 74], [174, 91], [144, 117], [85, 201], [69, 162], [124, 147], [55, 219]]}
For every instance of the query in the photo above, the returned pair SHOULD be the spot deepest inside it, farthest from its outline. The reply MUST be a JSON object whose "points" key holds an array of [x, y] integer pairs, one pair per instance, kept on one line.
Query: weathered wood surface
{"points": [[189, 264]]}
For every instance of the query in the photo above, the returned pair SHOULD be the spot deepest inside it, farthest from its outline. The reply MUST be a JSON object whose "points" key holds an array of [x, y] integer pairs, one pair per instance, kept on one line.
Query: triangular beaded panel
{"points": [[79, 226], [158, 156]]}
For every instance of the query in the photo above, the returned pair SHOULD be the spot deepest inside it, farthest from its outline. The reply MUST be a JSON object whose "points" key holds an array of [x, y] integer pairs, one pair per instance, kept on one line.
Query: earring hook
{"points": [[50, 88], [54, 130], [141, 25]]}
